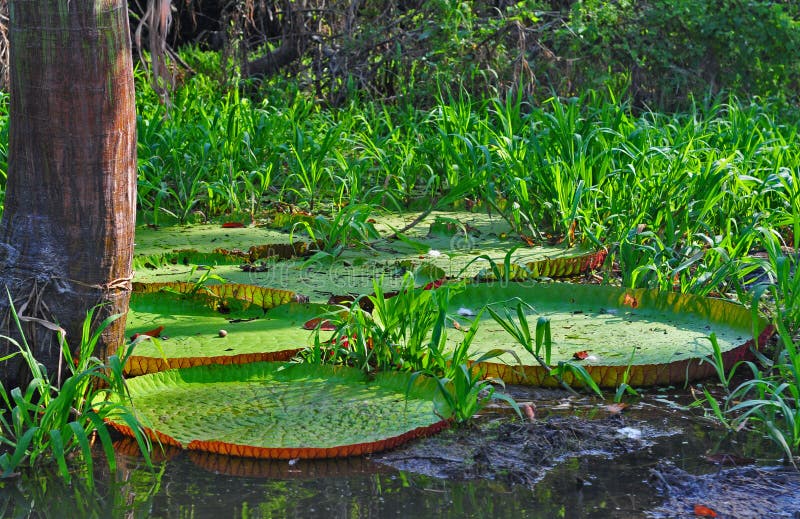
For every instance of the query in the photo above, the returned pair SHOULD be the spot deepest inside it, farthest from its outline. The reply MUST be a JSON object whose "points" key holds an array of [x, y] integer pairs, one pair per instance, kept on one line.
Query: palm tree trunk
{"points": [[66, 236]]}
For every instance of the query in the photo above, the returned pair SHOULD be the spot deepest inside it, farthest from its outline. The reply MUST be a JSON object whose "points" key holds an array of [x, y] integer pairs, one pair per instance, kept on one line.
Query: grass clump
{"points": [[408, 331], [46, 422], [768, 399]]}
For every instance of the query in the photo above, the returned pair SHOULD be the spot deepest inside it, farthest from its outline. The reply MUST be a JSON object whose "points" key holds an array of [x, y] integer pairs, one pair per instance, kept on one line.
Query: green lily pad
{"points": [[204, 238], [258, 324], [284, 411], [458, 253], [662, 336]]}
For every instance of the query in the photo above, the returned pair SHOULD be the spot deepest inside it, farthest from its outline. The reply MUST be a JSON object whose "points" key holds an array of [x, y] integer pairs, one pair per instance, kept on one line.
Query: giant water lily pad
{"points": [[284, 411], [153, 242], [258, 323], [662, 336], [451, 244]]}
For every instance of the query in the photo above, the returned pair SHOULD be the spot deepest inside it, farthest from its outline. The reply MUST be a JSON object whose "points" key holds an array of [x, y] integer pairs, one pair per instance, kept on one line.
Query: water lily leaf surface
{"points": [[456, 247], [205, 238], [257, 324], [285, 411], [662, 336]]}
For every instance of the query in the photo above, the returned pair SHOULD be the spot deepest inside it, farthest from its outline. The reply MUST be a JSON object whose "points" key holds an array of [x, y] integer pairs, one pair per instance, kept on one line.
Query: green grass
{"points": [[49, 421], [407, 331], [587, 169]]}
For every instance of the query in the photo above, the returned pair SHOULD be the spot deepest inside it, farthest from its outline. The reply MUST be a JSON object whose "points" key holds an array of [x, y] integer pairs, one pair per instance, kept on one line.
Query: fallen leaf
{"points": [[529, 411], [232, 225], [434, 284], [631, 301], [704, 511], [318, 322], [155, 332], [616, 408], [580, 355]]}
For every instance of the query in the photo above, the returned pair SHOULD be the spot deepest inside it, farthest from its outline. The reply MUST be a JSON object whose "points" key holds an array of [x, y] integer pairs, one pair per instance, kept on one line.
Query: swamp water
{"points": [[576, 459]]}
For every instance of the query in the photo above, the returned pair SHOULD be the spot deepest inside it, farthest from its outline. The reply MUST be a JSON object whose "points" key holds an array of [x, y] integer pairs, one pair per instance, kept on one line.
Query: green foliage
{"points": [[769, 398], [349, 227], [408, 331], [672, 50], [541, 345], [43, 423]]}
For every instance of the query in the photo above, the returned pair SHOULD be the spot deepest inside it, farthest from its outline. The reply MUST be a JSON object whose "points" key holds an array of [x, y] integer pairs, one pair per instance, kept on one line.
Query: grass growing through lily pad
{"points": [[407, 331]]}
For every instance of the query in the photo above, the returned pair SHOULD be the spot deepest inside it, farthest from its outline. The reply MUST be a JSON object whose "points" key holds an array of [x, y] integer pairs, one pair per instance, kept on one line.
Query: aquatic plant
{"points": [[349, 227], [285, 411], [225, 323], [541, 346]]}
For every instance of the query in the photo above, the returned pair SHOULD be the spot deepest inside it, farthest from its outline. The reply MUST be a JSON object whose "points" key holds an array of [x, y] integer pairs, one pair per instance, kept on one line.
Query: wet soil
{"points": [[737, 492], [517, 452], [502, 447]]}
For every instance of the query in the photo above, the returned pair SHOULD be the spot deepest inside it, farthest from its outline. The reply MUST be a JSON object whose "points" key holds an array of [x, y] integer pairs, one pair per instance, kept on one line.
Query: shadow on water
{"points": [[584, 482]]}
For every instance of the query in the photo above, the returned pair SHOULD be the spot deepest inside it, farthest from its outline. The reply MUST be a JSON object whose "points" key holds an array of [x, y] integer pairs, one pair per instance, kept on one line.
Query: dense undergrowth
{"points": [[704, 200]]}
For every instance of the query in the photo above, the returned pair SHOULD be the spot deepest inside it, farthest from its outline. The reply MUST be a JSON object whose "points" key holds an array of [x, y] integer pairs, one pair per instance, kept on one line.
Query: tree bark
{"points": [[66, 236], [293, 43]]}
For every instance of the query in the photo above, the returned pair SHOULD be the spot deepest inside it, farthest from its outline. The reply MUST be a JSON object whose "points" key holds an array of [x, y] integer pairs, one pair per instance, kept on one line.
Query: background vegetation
{"points": [[661, 53]]}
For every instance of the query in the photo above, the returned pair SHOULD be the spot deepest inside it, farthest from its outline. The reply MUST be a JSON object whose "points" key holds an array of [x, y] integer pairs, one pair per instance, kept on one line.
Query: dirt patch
{"points": [[742, 492], [516, 451], [507, 449]]}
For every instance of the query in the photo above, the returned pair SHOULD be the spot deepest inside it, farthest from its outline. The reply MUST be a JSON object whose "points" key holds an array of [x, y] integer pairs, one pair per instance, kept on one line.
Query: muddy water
{"points": [[615, 478]]}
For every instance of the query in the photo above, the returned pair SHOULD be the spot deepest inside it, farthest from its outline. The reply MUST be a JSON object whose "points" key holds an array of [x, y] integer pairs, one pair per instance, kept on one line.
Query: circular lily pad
{"points": [[221, 324], [469, 245], [284, 411], [658, 338]]}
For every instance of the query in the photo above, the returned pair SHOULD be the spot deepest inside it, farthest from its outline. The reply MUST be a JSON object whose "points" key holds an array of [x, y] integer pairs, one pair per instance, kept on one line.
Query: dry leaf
{"points": [[704, 511], [317, 322], [530, 411], [616, 408], [155, 332], [434, 284]]}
